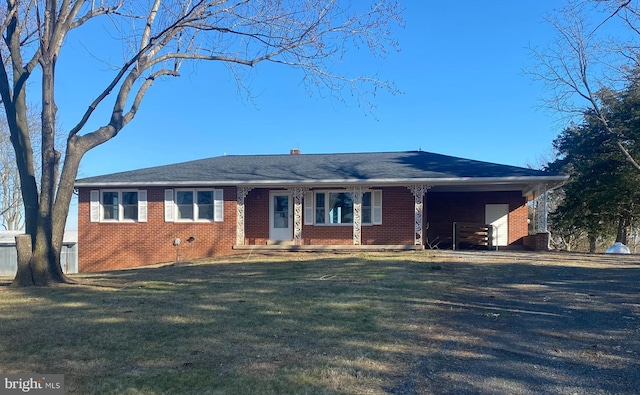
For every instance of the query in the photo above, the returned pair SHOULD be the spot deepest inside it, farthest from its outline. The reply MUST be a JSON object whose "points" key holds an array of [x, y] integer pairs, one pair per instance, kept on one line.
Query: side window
{"points": [[118, 206], [184, 203], [205, 205], [130, 205], [110, 205]]}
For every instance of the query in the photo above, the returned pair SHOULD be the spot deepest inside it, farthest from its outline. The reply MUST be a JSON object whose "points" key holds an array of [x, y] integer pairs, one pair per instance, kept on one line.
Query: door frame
{"points": [[497, 215], [280, 234]]}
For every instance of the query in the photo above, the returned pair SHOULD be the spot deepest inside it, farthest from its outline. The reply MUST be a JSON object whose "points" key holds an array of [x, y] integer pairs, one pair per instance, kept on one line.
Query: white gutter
{"points": [[353, 181]]}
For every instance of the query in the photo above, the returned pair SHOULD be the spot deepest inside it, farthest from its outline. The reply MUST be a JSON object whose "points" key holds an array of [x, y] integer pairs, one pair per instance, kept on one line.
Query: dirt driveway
{"points": [[518, 323]]}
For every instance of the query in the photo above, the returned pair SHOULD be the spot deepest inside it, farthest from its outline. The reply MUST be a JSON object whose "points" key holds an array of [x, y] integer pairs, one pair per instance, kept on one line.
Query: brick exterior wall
{"points": [[445, 208], [256, 214], [397, 222], [397, 219], [108, 246], [537, 242]]}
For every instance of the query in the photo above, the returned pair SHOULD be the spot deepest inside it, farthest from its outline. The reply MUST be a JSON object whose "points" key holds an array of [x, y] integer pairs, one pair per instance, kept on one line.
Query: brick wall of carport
{"points": [[445, 208]]}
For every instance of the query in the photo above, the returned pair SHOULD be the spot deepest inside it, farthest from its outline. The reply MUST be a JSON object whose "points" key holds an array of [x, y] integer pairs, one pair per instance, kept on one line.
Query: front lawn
{"points": [[300, 324]]}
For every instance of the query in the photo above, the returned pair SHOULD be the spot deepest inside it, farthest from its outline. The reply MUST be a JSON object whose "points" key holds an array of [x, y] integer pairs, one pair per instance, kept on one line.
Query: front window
{"points": [[366, 208], [335, 208], [320, 209], [340, 208]]}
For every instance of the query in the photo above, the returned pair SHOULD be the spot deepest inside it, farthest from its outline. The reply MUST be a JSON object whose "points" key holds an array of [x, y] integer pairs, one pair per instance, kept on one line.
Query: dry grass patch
{"points": [[303, 323], [295, 324]]}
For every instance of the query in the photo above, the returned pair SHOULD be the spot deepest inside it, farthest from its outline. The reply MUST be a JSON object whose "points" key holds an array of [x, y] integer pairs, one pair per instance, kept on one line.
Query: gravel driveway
{"points": [[521, 323]]}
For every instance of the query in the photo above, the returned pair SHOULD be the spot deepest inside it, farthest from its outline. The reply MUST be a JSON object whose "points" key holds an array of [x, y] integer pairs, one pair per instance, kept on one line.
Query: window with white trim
{"points": [[114, 205], [336, 208], [200, 205], [366, 208]]}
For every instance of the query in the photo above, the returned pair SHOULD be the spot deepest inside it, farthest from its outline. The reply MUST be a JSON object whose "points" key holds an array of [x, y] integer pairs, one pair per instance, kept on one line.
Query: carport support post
{"points": [[418, 193], [242, 193], [542, 208], [542, 211]]}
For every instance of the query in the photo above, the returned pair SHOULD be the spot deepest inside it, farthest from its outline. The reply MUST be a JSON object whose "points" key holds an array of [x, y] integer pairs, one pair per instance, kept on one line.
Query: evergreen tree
{"points": [[601, 196]]}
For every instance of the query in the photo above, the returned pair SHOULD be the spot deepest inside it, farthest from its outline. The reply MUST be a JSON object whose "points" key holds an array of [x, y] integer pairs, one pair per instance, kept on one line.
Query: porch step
{"points": [[329, 248], [281, 243]]}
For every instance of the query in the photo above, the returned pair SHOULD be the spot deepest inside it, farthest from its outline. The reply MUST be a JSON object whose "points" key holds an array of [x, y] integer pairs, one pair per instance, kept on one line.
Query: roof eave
{"points": [[547, 186], [551, 180]]}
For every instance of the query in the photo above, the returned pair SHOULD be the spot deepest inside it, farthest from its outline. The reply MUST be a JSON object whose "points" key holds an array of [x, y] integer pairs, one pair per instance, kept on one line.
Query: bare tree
{"points": [[594, 54], [10, 197], [11, 210], [158, 36]]}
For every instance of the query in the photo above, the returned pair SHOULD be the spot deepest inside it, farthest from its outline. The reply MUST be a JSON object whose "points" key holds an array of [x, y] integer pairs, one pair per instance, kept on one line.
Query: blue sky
{"points": [[460, 69]]}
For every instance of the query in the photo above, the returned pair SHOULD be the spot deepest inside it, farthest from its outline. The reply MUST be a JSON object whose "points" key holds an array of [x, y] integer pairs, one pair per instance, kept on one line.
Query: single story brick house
{"points": [[227, 204]]}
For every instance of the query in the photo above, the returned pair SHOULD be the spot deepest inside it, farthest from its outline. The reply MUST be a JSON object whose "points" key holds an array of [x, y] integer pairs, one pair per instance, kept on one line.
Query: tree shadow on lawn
{"points": [[512, 328], [344, 325], [244, 328]]}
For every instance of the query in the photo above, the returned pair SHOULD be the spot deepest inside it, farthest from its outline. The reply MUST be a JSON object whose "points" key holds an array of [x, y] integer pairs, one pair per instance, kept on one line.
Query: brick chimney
{"points": [[294, 152]]}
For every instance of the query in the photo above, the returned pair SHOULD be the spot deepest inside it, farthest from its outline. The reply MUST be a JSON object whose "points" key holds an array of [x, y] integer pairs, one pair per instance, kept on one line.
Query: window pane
{"points": [[129, 197], [185, 211], [184, 197], [110, 205], [130, 205], [205, 197], [281, 212], [184, 201], [366, 208], [205, 205], [366, 199], [340, 208], [320, 208]]}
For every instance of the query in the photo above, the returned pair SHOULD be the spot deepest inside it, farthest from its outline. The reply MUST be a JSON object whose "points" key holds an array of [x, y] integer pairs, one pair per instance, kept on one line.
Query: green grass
{"points": [[299, 324]]}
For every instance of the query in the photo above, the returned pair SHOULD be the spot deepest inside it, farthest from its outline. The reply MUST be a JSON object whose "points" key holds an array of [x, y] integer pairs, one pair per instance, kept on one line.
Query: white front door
{"points": [[280, 217], [498, 216]]}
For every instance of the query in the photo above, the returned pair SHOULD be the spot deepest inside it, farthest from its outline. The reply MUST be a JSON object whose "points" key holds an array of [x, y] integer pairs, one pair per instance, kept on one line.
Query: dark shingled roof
{"points": [[324, 168]]}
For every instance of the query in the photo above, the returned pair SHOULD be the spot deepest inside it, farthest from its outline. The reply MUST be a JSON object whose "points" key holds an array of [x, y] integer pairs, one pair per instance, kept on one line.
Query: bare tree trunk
{"points": [[24, 249], [43, 267], [622, 235], [24, 160], [592, 243]]}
